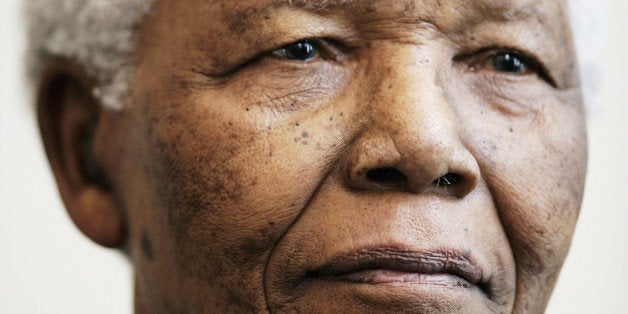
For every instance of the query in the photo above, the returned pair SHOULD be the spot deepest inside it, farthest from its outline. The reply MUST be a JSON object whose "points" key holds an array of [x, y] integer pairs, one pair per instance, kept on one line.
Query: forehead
{"points": [[504, 7], [426, 10], [448, 16]]}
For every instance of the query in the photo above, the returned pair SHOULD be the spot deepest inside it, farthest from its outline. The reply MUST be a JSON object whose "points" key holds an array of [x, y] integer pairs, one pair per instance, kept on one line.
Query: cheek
{"points": [[211, 184], [229, 183], [534, 166]]}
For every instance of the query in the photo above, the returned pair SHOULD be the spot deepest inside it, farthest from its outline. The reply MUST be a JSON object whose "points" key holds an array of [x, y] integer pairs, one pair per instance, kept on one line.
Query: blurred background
{"points": [[48, 266]]}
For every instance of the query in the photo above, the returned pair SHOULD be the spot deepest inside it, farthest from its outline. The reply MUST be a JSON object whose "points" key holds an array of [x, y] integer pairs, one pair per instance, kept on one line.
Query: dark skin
{"points": [[354, 156]]}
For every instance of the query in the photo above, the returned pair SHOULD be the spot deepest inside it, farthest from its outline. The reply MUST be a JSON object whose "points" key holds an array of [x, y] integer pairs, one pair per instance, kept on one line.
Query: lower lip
{"points": [[381, 276]]}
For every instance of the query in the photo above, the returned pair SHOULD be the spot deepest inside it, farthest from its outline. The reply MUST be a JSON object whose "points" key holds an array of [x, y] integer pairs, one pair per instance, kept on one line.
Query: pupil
{"points": [[508, 63], [302, 50]]}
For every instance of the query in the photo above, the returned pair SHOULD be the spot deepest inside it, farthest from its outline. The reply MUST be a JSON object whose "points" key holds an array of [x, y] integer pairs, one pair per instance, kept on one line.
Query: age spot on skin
{"points": [[303, 138]]}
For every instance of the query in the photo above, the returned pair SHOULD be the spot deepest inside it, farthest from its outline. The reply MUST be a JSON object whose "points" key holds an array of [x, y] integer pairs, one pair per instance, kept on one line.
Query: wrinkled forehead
{"points": [[504, 8], [437, 12]]}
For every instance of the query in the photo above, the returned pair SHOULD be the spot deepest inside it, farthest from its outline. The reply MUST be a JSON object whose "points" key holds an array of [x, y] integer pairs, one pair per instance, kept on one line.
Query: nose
{"points": [[411, 140]]}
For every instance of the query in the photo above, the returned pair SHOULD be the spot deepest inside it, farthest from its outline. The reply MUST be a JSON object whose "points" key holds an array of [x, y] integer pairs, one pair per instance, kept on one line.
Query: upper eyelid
{"points": [[327, 44], [477, 55]]}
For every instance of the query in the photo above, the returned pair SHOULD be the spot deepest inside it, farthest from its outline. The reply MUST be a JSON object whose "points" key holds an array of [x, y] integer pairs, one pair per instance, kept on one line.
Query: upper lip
{"points": [[440, 261]]}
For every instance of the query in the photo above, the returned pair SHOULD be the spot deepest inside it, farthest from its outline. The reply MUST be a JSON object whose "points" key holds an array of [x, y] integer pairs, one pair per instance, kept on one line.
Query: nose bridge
{"points": [[410, 106], [414, 129]]}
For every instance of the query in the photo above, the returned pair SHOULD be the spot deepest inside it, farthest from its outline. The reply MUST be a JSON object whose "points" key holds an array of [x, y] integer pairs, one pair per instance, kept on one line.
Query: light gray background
{"points": [[47, 266]]}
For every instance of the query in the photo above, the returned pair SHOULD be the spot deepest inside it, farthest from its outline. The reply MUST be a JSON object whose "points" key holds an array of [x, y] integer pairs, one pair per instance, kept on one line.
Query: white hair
{"points": [[588, 27], [99, 34]]}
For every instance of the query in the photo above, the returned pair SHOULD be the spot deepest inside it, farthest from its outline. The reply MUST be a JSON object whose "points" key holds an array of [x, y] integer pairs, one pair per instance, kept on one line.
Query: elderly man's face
{"points": [[349, 155]]}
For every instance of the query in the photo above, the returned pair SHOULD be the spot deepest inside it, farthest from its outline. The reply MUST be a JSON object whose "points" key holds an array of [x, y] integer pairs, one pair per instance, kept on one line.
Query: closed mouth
{"points": [[391, 265]]}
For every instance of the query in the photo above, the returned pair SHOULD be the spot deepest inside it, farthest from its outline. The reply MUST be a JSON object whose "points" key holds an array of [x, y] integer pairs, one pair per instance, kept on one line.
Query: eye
{"points": [[511, 62], [303, 50], [506, 61]]}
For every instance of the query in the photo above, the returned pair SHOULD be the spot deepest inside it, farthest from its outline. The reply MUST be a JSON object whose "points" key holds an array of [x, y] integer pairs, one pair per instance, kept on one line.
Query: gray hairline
{"points": [[99, 35]]}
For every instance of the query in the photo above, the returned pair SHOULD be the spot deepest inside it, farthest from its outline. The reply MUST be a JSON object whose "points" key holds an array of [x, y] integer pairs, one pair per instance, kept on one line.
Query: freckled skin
{"points": [[238, 171]]}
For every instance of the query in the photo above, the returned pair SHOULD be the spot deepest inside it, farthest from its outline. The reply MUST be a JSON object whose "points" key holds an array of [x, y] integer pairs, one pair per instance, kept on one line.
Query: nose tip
{"points": [[411, 138], [375, 164]]}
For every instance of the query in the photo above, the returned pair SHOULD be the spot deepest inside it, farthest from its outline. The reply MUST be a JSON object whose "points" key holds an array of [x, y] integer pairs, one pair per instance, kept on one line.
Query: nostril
{"points": [[389, 177], [450, 179]]}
